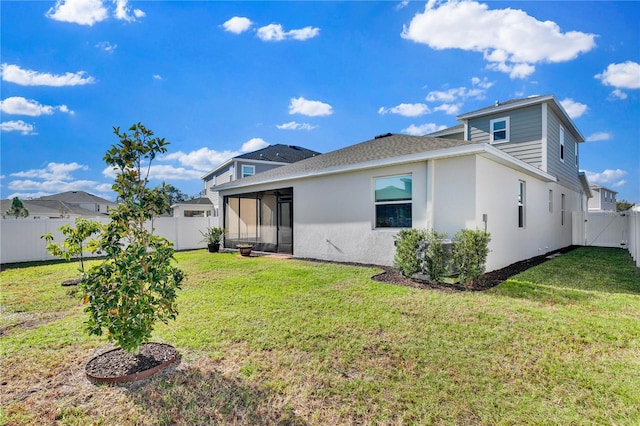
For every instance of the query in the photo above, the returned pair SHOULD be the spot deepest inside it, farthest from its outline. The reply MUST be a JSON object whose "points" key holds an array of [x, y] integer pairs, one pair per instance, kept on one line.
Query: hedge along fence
{"points": [[419, 251]]}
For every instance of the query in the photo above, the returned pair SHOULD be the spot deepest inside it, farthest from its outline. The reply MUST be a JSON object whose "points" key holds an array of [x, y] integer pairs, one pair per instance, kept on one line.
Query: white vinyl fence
{"points": [[608, 229], [21, 242]]}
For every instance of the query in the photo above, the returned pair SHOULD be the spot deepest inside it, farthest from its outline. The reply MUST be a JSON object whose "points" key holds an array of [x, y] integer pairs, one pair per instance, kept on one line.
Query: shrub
{"points": [[136, 285], [74, 244], [407, 258], [470, 250], [434, 263]]}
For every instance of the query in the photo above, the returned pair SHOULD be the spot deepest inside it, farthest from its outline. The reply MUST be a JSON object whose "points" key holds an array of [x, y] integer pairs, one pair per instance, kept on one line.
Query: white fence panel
{"points": [[20, 238], [607, 229], [579, 229], [634, 236]]}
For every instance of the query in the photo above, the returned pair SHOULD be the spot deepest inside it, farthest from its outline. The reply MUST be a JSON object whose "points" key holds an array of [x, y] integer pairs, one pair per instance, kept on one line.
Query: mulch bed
{"points": [[485, 282], [118, 363]]}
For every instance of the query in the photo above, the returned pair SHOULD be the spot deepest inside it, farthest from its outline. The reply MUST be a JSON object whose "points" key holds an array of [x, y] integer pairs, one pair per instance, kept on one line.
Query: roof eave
{"points": [[471, 149]]}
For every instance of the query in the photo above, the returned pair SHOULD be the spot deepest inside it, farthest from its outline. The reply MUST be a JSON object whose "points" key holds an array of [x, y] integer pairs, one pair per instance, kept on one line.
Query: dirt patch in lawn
{"points": [[485, 282]]}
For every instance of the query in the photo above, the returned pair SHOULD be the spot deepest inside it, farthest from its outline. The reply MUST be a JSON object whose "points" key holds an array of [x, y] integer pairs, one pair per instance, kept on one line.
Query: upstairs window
{"points": [[561, 144], [248, 171], [575, 150], [499, 129], [393, 198]]}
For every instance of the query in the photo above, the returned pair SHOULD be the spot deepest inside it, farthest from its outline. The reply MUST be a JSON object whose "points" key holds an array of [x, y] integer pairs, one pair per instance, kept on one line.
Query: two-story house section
{"points": [[510, 168], [604, 199], [250, 164]]}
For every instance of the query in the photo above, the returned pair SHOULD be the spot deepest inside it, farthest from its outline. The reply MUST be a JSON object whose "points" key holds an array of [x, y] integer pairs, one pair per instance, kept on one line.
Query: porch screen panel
{"points": [[268, 225], [232, 216], [248, 219]]}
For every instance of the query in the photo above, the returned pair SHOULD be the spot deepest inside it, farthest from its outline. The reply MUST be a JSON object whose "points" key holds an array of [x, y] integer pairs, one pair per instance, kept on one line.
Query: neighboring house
{"points": [[604, 199], [197, 207], [511, 169], [250, 164], [71, 204]]}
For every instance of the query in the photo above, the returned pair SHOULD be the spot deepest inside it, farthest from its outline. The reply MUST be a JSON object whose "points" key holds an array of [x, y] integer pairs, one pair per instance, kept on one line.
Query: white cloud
{"points": [[162, 172], [617, 94], [451, 109], [106, 46], [18, 126], [123, 11], [237, 25], [53, 171], [621, 76], [83, 12], [573, 108], [598, 136], [89, 12], [620, 183], [17, 75], [21, 106], [293, 125], [478, 91], [203, 159], [607, 177], [157, 77], [406, 110], [275, 32], [422, 129], [310, 108], [253, 144], [402, 4], [509, 39]]}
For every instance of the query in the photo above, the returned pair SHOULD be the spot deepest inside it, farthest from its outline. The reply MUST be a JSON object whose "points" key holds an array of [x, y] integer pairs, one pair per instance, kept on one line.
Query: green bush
{"points": [[470, 250], [434, 262], [407, 258], [74, 244]]}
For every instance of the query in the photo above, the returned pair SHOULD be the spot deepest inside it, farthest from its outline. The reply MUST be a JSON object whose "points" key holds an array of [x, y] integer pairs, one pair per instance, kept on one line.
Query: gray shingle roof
{"points": [[379, 148], [76, 197], [280, 153]]}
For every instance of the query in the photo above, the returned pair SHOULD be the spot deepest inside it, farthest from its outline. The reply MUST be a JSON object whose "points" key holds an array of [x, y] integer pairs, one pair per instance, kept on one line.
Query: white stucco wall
{"points": [[497, 194], [334, 216]]}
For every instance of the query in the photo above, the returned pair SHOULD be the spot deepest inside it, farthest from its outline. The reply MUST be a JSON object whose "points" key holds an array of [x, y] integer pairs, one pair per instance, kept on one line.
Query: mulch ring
{"points": [[485, 282], [118, 366]]}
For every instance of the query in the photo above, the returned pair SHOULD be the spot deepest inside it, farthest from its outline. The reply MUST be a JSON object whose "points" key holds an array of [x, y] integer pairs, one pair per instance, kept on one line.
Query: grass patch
{"points": [[273, 341]]}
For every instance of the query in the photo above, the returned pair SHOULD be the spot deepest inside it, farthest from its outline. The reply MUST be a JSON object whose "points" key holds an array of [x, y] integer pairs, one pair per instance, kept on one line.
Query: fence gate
{"points": [[606, 229]]}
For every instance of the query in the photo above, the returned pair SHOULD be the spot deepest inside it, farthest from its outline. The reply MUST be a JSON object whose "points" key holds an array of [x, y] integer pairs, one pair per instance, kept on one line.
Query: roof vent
{"points": [[497, 103], [384, 135]]}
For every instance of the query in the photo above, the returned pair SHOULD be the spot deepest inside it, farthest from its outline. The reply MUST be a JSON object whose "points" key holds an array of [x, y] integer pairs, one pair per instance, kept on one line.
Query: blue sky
{"points": [[217, 79]]}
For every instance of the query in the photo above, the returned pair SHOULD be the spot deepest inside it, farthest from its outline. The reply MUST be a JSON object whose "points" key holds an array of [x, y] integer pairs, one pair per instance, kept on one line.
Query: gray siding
{"points": [[567, 171], [259, 167], [525, 133]]}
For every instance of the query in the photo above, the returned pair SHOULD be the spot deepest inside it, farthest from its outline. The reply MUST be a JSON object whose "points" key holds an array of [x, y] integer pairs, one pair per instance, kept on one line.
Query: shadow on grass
{"points": [[196, 396], [576, 276]]}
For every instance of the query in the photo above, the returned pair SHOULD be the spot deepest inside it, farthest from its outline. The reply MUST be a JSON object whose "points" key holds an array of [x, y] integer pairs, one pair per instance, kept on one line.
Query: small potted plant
{"points": [[212, 237], [245, 249]]}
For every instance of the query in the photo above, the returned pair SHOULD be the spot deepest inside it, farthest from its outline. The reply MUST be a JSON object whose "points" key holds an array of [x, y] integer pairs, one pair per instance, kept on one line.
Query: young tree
{"points": [[136, 285], [74, 244], [17, 209]]}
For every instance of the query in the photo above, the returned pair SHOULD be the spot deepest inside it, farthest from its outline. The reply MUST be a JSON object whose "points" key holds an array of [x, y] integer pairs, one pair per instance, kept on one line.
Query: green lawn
{"points": [[274, 341]]}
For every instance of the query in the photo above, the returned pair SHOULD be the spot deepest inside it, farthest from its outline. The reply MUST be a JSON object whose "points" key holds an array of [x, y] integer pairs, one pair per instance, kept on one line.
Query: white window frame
{"points": [[522, 204], [507, 130], [575, 150], [380, 203], [562, 144], [253, 170]]}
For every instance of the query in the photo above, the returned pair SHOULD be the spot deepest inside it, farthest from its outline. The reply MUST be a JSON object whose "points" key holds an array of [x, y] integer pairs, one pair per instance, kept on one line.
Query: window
{"points": [[499, 130], [561, 144], [562, 210], [393, 201], [521, 203], [575, 151], [551, 201], [248, 171]]}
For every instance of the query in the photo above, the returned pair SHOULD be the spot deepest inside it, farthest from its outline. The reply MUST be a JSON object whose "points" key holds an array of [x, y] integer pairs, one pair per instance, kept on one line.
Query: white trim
{"points": [[507, 130], [234, 159], [466, 130], [253, 170]]}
